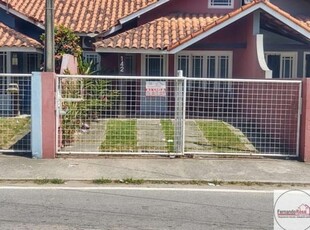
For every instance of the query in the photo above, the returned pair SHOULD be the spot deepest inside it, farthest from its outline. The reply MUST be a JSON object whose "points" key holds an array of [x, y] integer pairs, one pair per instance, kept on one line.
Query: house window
{"points": [[154, 65], [283, 65], [197, 66], [221, 3], [216, 64], [307, 65], [94, 58], [2, 62], [130, 65], [33, 62]]}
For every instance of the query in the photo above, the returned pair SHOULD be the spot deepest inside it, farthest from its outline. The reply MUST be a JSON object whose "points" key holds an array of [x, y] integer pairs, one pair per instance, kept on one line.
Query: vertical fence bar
{"points": [[299, 118], [179, 125], [58, 109], [184, 113]]}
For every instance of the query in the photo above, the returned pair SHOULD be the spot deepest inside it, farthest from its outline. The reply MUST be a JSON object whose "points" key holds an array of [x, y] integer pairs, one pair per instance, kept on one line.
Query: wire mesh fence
{"points": [[163, 115], [15, 112], [117, 114], [243, 116]]}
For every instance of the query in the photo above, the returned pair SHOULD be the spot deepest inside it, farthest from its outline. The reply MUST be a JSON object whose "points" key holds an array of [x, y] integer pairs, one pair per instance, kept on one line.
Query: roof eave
{"points": [[259, 6], [21, 49], [22, 16], [132, 50], [132, 16], [142, 11]]}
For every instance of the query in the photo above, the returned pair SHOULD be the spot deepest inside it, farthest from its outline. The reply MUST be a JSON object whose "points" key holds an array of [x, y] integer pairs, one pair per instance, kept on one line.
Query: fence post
{"points": [[305, 119], [178, 128], [43, 115]]}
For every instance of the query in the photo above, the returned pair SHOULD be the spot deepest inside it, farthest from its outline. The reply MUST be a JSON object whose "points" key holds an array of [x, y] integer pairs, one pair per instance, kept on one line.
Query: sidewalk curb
{"points": [[164, 182]]}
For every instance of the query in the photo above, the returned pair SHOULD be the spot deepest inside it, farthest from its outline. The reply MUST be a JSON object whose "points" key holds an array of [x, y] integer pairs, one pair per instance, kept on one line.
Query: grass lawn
{"points": [[168, 129], [221, 137], [121, 135], [12, 129]]}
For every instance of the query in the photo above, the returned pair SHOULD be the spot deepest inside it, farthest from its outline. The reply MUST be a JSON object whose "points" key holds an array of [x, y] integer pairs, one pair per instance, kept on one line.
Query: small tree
{"points": [[95, 94], [66, 42]]}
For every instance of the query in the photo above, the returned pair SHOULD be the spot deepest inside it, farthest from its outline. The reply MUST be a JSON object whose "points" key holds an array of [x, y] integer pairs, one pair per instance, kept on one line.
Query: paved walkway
{"points": [[194, 138], [150, 138], [88, 140]]}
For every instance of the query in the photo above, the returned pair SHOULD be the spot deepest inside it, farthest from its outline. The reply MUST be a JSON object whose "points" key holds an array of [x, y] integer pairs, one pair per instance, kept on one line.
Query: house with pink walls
{"points": [[244, 39], [249, 38], [206, 39]]}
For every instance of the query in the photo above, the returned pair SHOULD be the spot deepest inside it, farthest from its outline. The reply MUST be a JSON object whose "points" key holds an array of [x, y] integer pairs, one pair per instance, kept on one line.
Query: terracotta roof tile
{"points": [[305, 20], [168, 32], [161, 33], [10, 38], [82, 16]]}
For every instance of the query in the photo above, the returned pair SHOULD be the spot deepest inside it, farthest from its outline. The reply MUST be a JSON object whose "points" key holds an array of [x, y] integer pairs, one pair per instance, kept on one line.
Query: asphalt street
{"points": [[134, 208]]}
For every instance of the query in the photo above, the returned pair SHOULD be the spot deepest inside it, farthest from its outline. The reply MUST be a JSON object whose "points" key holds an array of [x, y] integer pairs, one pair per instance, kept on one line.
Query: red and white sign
{"points": [[155, 89]]}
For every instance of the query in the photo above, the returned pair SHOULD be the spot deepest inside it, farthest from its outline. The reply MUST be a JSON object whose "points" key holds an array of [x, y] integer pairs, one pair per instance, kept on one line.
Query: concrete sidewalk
{"points": [[208, 169]]}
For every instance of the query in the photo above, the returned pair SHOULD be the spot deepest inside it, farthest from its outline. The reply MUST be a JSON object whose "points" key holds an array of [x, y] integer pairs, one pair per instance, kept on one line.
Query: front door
{"points": [[154, 92]]}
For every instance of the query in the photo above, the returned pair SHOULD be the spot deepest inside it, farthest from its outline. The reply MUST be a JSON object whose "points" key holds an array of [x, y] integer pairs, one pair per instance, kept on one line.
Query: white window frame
{"points": [[216, 4], [293, 55], [143, 63], [205, 55], [90, 53], [304, 65]]}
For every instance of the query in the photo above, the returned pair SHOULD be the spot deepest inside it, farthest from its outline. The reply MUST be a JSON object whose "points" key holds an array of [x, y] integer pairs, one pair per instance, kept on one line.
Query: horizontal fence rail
{"points": [[177, 115], [15, 113]]}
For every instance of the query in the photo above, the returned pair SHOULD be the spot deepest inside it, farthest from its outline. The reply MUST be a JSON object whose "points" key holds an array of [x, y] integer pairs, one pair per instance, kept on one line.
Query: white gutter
{"points": [[112, 30], [142, 11]]}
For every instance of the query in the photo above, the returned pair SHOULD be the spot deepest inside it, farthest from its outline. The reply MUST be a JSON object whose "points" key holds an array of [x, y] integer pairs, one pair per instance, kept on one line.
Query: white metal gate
{"points": [[233, 116], [104, 115]]}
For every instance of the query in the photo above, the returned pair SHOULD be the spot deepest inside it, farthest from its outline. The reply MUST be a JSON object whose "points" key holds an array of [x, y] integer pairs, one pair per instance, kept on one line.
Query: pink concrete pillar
{"points": [[48, 115], [305, 123]]}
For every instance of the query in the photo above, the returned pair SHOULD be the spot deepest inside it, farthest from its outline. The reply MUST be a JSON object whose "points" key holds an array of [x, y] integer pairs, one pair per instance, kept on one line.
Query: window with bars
{"points": [[205, 65], [221, 3], [154, 65], [94, 58], [33, 62], [283, 65]]}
